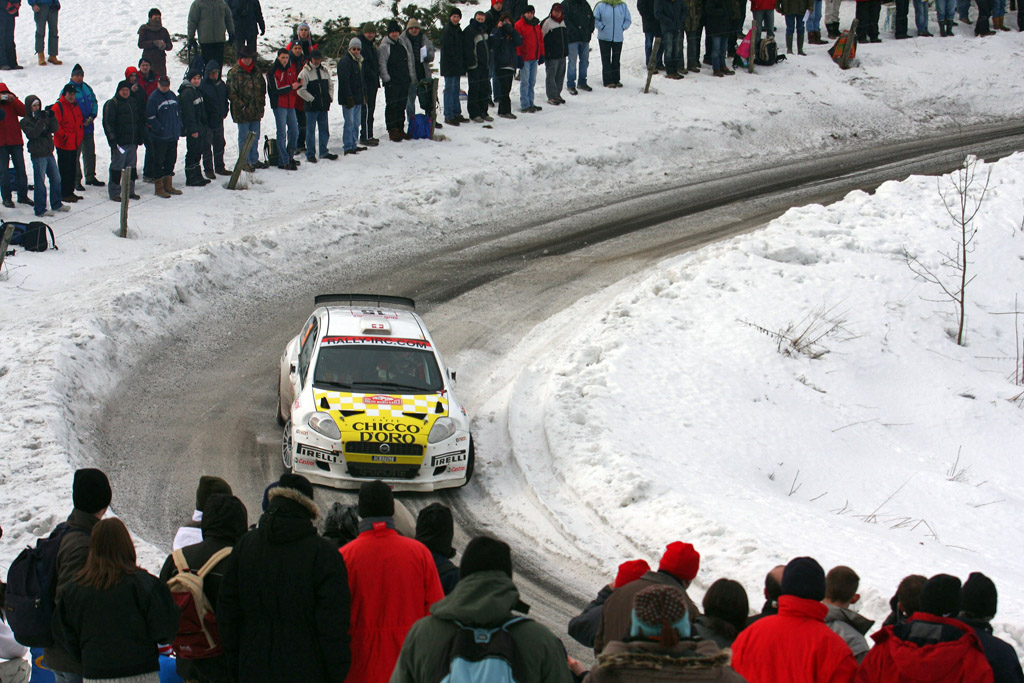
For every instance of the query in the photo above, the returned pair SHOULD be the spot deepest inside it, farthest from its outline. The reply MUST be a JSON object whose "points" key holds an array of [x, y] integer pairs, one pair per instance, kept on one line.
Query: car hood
{"points": [[382, 418]]}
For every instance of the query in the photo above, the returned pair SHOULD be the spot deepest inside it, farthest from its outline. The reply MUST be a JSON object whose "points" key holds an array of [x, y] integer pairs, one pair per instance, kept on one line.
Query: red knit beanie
{"points": [[680, 560], [630, 571]]}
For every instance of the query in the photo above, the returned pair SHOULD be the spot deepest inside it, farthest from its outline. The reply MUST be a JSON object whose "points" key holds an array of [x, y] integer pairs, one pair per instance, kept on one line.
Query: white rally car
{"points": [[364, 395]]}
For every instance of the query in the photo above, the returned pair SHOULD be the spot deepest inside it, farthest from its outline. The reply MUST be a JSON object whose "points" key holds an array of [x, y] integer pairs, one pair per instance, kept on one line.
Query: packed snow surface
{"points": [[672, 414]]}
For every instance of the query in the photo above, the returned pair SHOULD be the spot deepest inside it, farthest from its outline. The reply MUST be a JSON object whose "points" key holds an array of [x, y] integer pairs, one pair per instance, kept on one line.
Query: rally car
{"points": [[364, 394]]}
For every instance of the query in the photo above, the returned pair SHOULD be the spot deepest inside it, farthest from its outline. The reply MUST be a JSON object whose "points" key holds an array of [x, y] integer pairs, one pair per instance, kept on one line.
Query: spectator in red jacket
{"points": [[932, 646], [67, 140], [795, 645], [12, 151], [393, 581], [282, 82], [532, 54]]}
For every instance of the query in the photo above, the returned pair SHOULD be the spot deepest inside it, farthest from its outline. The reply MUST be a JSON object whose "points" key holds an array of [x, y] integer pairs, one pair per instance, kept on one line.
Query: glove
{"points": [[349, 102], [540, 60]]}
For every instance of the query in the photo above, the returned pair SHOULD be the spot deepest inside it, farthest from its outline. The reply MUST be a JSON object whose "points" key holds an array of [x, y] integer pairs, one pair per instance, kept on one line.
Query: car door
{"points": [[300, 361]]}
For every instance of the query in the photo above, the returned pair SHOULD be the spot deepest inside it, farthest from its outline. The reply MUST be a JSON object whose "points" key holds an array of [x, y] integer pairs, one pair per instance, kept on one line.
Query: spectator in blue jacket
{"points": [[46, 17], [163, 119], [215, 98], [350, 95], [611, 17], [85, 98]]}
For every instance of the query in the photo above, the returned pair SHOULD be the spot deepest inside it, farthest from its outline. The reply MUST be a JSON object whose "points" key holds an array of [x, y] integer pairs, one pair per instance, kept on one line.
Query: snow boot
{"points": [[800, 44], [833, 30], [53, 60], [395, 134], [942, 29], [159, 190], [789, 43], [170, 189], [194, 177], [42, 58], [999, 23]]}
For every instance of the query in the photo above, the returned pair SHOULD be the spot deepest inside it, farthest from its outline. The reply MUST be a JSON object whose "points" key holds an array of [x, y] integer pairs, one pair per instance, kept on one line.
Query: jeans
{"points": [[794, 21], [814, 18], [648, 46], [316, 124], [717, 52], [963, 8], [945, 10], [366, 128], [452, 106], [580, 51], [44, 169], [610, 54], [672, 41], [118, 162], [287, 134], [243, 131], [921, 16], [13, 155], [527, 81], [65, 677], [693, 49], [8, 53], [46, 17], [554, 77], [999, 8], [765, 19], [351, 133]]}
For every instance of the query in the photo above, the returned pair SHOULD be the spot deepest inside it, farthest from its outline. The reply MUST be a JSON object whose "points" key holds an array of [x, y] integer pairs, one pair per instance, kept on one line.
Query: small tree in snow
{"points": [[962, 199]]}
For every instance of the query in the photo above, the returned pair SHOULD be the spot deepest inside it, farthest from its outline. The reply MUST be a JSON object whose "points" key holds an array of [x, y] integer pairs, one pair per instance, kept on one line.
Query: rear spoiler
{"points": [[364, 298]]}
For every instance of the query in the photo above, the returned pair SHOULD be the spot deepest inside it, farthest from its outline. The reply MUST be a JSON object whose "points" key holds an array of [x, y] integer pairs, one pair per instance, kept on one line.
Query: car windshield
{"points": [[377, 368]]}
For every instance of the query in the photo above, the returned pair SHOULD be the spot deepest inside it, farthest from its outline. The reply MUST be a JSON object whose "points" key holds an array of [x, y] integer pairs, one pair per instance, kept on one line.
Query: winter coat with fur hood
{"points": [[647, 662]]}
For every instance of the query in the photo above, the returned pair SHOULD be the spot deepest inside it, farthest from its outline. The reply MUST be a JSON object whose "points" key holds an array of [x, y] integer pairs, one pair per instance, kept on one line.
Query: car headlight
{"points": [[324, 424], [442, 429]]}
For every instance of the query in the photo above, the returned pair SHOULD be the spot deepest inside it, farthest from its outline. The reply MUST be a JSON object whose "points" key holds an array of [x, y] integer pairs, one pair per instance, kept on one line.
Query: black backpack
{"points": [[32, 589], [31, 236], [768, 52], [270, 154]]}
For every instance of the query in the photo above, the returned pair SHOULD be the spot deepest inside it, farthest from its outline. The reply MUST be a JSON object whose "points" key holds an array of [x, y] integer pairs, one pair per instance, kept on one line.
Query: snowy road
{"points": [[205, 398]]}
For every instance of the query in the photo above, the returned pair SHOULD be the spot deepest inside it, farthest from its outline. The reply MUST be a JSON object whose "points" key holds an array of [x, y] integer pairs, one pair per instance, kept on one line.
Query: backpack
{"points": [[844, 49], [270, 154], [198, 637], [767, 52], [419, 127], [32, 589], [32, 236], [483, 655]]}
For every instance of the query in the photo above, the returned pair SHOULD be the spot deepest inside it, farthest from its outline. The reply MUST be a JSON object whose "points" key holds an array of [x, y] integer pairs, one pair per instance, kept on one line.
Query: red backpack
{"points": [[197, 637]]}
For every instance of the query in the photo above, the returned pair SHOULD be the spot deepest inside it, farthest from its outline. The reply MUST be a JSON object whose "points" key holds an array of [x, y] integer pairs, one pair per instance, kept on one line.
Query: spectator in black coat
{"points": [[556, 51], [215, 99], [283, 609], [978, 605], [477, 59], [225, 521], [194, 126], [113, 615], [504, 41], [435, 529], [371, 83], [124, 124], [652, 30], [452, 67], [579, 25], [583, 627], [393, 61], [248, 18], [350, 94]]}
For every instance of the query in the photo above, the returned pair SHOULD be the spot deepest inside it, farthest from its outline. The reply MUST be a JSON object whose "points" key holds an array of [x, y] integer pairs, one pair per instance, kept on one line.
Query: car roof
{"points": [[344, 321]]}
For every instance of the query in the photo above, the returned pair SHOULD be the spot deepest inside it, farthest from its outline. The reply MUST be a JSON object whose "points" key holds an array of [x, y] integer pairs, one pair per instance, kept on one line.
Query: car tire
{"points": [[286, 447], [470, 463], [281, 418]]}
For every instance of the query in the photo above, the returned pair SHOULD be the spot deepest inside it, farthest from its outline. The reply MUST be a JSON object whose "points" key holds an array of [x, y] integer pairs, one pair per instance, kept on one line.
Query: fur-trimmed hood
{"points": [[697, 657], [297, 496]]}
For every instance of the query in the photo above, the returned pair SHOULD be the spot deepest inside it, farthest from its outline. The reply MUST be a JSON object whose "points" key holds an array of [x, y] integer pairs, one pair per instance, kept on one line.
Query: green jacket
{"points": [[247, 92], [211, 19], [483, 599]]}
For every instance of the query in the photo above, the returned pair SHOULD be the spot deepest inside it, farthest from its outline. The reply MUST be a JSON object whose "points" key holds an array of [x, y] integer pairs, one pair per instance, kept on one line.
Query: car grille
{"points": [[373, 448], [371, 471]]}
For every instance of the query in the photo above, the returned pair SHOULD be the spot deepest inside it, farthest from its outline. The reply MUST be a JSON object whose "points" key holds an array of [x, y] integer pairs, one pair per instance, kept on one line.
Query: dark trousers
{"points": [[8, 53], [147, 162], [984, 12], [165, 155], [212, 51], [243, 40], [479, 93], [610, 53], [366, 125], [395, 97], [13, 155], [900, 20], [46, 18], [194, 154], [504, 77], [693, 49], [300, 116], [67, 164], [867, 19], [213, 148]]}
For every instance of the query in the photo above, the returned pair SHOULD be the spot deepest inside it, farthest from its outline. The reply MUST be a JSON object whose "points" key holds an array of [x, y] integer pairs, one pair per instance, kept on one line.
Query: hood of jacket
{"points": [[792, 606], [861, 623], [3, 87], [225, 518], [687, 655], [289, 517], [613, 3], [212, 65], [927, 647], [28, 103], [480, 599]]}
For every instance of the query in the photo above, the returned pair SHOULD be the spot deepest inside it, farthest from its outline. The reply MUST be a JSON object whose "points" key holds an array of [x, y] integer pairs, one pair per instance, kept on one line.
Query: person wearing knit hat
{"points": [[583, 627], [351, 95], [659, 639], [393, 56], [191, 533], [383, 614], [123, 125], [421, 53], [453, 64], [284, 573], [795, 645], [85, 100], [435, 529], [933, 645], [91, 495], [677, 567], [195, 128], [978, 606], [371, 83]]}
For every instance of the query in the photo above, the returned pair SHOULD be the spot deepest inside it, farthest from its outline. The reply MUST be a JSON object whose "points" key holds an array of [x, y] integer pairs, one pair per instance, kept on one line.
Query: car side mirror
{"points": [[291, 368]]}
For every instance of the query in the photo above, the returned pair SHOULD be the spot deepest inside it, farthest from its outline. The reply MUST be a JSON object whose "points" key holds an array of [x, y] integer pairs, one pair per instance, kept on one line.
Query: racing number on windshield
{"points": [[306, 351]]}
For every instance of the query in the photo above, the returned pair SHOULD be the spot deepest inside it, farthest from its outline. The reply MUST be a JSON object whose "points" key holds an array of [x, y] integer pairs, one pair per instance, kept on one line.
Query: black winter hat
{"points": [[486, 554], [979, 597], [435, 528], [940, 595], [77, 70], [393, 27], [341, 523], [68, 89], [90, 491], [124, 84], [803, 577], [529, 8], [297, 482], [225, 517], [376, 500], [455, 11], [209, 486], [316, 54]]}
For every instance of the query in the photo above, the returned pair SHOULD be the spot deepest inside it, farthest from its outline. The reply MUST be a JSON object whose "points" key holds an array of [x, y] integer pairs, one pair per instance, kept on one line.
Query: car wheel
{"points": [[281, 418], [470, 462], [286, 447]]}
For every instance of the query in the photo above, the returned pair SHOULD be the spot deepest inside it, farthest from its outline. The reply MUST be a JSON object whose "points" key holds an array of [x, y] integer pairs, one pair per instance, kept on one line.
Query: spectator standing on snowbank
{"points": [[452, 65], [772, 591], [556, 51], [283, 607], [725, 613], [39, 125], [155, 42], [530, 53], [247, 92], [212, 23], [248, 18], [611, 17], [163, 119], [12, 153], [794, 11], [85, 160], [67, 140], [8, 50], [671, 16], [435, 529], [46, 14], [841, 586], [124, 125], [113, 614], [350, 95], [478, 67], [215, 98], [393, 60], [579, 24], [316, 89], [419, 53], [652, 29], [371, 84], [193, 124], [505, 40], [282, 82]]}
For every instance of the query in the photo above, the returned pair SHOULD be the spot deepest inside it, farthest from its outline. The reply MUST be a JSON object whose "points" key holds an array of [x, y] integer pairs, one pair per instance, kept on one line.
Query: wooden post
{"points": [[126, 183], [243, 155], [653, 63], [5, 242]]}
